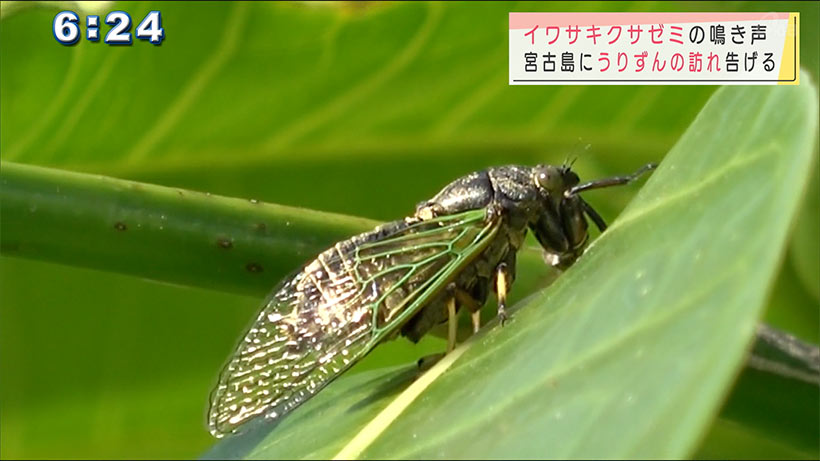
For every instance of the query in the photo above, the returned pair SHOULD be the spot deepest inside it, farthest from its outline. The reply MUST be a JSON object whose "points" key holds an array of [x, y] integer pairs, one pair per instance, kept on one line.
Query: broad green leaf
{"points": [[323, 425], [778, 366], [730, 440], [293, 103], [805, 245], [638, 366], [344, 109], [735, 434]]}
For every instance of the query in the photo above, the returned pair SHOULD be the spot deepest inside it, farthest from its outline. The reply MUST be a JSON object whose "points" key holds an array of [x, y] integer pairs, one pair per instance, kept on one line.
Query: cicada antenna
{"points": [[574, 152], [609, 182]]}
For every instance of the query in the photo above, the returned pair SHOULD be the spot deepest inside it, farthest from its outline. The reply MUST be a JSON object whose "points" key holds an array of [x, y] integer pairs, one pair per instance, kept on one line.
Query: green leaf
{"points": [[745, 430], [637, 367], [779, 365], [731, 440], [805, 246], [401, 99], [323, 425]]}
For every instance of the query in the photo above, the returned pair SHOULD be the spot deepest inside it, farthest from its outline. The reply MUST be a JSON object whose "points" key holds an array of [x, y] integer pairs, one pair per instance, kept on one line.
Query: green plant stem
{"points": [[160, 233]]}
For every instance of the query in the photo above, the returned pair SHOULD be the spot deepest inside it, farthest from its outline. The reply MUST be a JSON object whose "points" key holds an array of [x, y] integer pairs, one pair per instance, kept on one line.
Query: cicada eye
{"points": [[549, 178], [570, 178]]}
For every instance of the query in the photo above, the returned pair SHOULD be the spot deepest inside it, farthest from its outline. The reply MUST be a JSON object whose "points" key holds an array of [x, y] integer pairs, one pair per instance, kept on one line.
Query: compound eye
{"points": [[571, 179], [549, 178]]}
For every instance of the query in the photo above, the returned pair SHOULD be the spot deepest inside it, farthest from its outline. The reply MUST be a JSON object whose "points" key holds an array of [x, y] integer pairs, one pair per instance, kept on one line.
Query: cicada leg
{"points": [[452, 324], [471, 304], [457, 299], [476, 317], [502, 284]]}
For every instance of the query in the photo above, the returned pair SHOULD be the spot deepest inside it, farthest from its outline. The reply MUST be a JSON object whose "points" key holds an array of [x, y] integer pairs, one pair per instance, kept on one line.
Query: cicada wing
{"points": [[333, 311], [287, 355]]}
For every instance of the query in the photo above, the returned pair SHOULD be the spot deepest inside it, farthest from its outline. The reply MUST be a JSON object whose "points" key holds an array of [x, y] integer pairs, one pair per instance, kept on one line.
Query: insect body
{"points": [[404, 277]]}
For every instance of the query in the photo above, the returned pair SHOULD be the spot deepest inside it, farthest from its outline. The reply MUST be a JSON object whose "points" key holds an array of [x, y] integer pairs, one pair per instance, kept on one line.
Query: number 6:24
{"points": [[67, 29]]}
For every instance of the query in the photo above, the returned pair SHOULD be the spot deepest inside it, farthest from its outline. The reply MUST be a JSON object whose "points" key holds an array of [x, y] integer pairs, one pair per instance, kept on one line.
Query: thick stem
{"points": [[161, 233]]}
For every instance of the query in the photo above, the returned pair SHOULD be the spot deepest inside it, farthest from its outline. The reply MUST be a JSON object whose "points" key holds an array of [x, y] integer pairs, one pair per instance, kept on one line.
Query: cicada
{"points": [[402, 278]]}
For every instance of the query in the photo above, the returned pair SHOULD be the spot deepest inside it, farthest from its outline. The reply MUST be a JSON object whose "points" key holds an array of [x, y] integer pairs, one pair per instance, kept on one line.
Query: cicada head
{"points": [[561, 224]]}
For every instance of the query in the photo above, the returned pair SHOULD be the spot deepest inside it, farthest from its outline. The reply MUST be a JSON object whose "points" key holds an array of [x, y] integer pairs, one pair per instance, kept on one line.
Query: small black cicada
{"points": [[404, 277]]}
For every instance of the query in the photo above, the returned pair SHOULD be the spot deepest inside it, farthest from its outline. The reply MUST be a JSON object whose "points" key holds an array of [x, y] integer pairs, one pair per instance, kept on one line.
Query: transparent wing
{"points": [[320, 321]]}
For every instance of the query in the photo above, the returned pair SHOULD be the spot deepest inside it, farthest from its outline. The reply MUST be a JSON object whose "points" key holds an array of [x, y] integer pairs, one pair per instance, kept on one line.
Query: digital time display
{"points": [[66, 28]]}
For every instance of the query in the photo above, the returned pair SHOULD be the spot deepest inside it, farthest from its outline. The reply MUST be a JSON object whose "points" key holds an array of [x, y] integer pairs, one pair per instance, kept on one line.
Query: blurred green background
{"points": [[363, 109]]}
